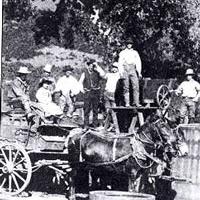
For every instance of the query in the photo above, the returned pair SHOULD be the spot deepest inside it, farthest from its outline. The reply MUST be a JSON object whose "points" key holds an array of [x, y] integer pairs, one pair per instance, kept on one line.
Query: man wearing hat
{"points": [[90, 79], [130, 67], [112, 78], [20, 92], [70, 87], [20, 88], [47, 75], [189, 90]]}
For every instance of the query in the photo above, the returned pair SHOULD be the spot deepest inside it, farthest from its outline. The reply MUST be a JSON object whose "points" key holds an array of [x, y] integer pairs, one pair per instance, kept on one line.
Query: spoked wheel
{"points": [[163, 97], [15, 169]]}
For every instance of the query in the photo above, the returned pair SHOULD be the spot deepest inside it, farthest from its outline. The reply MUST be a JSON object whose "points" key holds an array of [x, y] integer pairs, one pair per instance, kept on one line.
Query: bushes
{"points": [[18, 39]]}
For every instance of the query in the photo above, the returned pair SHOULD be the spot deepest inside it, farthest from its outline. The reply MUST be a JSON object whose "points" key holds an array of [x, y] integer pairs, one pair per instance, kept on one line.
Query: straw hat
{"points": [[47, 68], [24, 70], [189, 72]]}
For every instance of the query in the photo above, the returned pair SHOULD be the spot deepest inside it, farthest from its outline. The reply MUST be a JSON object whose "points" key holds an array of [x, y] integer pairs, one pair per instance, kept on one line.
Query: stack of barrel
{"points": [[188, 167]]}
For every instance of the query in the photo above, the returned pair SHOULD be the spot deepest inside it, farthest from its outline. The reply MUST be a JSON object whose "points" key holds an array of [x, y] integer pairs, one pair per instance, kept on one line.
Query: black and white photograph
{"points": [[100, 100]]}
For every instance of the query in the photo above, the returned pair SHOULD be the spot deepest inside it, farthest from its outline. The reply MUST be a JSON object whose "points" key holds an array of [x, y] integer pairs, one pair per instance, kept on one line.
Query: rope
{"points": [[114, 148], [119, 160]]}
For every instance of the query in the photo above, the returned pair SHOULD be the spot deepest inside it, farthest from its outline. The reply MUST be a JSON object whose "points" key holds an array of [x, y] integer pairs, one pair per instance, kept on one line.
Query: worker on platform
{"points": [[130, 67], [189, 90], [112, 78]]}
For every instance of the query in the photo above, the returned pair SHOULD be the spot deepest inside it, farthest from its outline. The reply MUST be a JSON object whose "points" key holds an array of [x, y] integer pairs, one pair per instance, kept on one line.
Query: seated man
{"points": [[44, 98], [69, 87], [20, 92]]}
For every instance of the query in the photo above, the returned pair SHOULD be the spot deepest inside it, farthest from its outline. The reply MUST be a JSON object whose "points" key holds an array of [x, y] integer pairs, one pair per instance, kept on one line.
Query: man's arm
{"points": [[81, 82], [138, 63], [17, 90], [101, 72], [179, 90], [198, 92]]}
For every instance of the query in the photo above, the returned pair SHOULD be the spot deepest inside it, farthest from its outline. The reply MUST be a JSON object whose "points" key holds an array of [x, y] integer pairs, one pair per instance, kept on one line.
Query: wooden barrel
{"points": [[189, 167], [119, 195]]}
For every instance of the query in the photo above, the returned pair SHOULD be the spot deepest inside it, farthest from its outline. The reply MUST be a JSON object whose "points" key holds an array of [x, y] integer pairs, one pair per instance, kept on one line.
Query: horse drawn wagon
{"points": [[23, 152]]}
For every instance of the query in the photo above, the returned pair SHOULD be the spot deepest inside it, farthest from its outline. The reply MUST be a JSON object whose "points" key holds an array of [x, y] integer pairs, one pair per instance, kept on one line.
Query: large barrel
{"points": [[188, 167], [119, 195]]}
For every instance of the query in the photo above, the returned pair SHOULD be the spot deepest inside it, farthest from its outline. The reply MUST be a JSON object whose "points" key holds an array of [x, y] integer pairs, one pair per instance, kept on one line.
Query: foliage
{"points": [[16, 9], [165, 32], [18, 41]]}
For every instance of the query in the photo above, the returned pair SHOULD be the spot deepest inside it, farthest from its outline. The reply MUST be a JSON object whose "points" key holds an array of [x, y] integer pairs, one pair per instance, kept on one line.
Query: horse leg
{"points": [[134, 182], [70, 186], [95, 176]]}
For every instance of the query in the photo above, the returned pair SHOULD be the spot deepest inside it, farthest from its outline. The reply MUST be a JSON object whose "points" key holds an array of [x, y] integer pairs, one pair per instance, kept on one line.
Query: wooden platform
{"points": [[130, 116]]}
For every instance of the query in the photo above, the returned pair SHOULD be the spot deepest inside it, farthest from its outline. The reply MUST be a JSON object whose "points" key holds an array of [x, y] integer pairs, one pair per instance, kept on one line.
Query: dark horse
{"points": [[152, 145]]}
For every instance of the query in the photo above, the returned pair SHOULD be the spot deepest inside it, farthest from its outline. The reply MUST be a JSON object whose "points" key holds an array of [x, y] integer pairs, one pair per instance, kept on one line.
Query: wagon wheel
{"points": [[163, 97], [15, 169]]}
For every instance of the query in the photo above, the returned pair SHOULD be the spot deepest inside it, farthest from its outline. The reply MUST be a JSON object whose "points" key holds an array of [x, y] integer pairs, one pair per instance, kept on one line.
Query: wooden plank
{"points": [[115, 120], [133, 108]]}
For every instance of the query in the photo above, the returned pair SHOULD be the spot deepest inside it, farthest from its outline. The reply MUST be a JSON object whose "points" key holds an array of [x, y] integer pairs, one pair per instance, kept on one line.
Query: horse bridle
{"points": [[148, 140]]}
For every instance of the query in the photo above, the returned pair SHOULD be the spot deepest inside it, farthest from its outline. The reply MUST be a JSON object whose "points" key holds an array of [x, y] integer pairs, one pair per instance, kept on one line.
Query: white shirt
{"points": [[45, 101], [43, 96], [67, 85], [189, 88], [112, 79], [130, 57]]}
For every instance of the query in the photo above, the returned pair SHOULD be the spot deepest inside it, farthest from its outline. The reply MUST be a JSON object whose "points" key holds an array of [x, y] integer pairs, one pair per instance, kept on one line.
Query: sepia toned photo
{"points": [[100, 100]]}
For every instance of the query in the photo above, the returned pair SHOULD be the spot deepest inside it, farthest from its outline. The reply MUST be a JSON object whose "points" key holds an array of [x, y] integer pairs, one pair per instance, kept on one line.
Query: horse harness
{"points": [[134, 138]]}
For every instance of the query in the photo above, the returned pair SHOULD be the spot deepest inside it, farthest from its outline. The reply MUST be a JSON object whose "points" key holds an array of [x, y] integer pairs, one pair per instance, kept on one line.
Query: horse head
{"points": [[158, 132], [179, 141]]}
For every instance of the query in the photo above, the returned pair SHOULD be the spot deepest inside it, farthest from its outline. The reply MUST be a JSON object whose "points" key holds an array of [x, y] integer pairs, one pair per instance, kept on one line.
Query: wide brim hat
{"points": [[67, 68], [129, 41], [189, 72], [47, 68], [23, 70], [47, 81]]}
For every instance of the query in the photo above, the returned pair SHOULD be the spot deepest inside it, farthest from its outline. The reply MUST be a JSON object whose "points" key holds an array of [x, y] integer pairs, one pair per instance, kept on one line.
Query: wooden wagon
{"points": [[23, 152]]}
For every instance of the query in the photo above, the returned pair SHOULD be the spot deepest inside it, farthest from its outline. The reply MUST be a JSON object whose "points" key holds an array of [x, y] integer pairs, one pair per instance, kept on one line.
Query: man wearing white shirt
{"points": [[130, 67], [190, 92], [112, 78], [69, 87]]}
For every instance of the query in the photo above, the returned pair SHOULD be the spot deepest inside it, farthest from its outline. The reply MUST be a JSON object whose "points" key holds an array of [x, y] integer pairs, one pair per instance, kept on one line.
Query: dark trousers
{"points": [[91, 103]]}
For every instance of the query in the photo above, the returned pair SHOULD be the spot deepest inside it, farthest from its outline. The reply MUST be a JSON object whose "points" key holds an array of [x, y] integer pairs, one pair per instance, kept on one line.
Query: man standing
{"points": [[190, 92], [112, 78], [90, 79], [130, 67], [69, 87]]}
